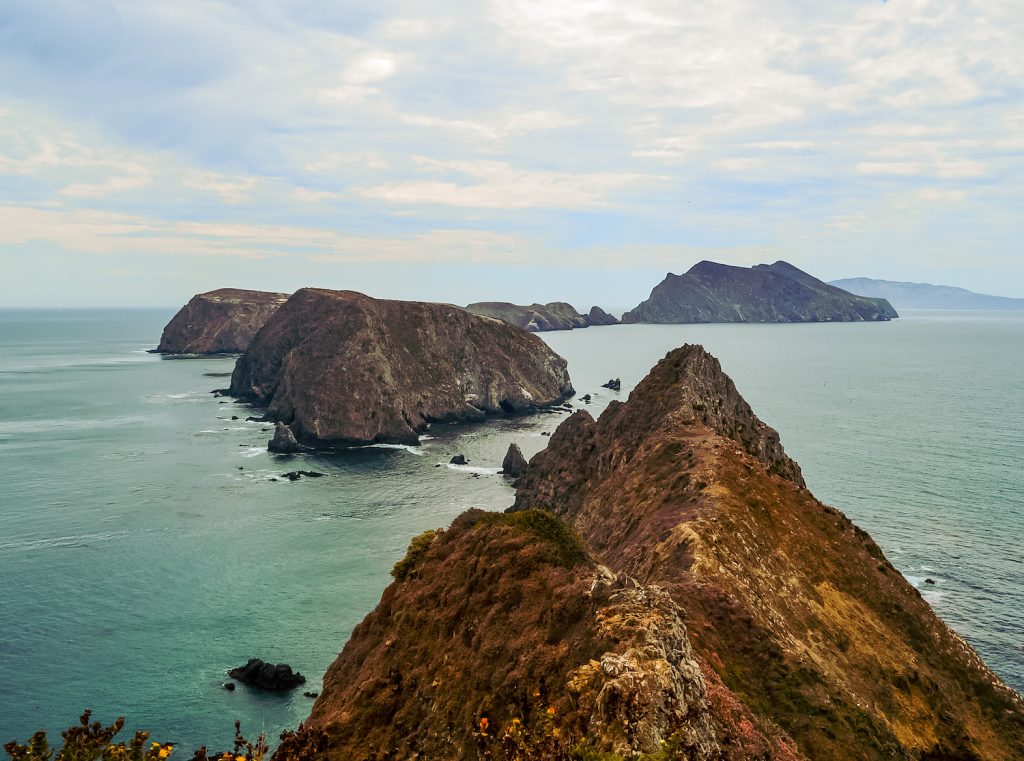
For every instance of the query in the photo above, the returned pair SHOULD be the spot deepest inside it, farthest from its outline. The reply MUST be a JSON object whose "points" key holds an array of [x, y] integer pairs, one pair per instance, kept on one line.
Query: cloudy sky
{"points": [[518, 150]]}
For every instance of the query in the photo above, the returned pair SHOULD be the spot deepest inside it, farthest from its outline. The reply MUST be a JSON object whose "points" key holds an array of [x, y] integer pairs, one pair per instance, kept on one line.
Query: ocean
{"points": [[144, 549]]}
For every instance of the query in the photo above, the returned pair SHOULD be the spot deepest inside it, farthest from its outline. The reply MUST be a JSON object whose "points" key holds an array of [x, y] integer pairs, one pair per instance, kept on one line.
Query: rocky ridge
{"points": [[219, 322], [539, 318], [779, 292], [338, 369], [664, 584], [793, 607]]}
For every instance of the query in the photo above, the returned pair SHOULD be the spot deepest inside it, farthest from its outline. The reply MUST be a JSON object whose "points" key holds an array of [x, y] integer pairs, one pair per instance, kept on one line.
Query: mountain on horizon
{"points": [[904, 295]]}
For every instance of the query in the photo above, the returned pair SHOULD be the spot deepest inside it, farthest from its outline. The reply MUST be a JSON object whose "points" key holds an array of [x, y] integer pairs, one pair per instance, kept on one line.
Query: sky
{"points": [[521, 150]]}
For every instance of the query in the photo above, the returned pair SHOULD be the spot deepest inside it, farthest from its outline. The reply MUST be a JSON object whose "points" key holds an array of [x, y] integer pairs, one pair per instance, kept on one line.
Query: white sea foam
{"points": [[77, 540], [475, 469], [254, 451], [407, 447]]}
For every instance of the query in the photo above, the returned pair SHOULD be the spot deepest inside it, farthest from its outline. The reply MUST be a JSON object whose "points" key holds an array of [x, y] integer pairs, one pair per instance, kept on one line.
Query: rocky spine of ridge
{"points": [[339, 369], [540, 318], [219, 322], [500, 638], [793, 608], [779, 292]]}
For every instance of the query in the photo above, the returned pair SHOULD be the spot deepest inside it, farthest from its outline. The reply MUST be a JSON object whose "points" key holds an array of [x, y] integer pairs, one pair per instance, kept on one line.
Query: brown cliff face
{"points": [[793, 608], [219, 322], [343, 369], [500, 638]]}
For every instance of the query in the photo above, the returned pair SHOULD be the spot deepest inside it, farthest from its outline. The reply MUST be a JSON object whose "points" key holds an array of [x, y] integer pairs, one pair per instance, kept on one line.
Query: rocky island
{"points": [[219, 322], [664, 584], [538, 318], [338, 369], [779, 292]]}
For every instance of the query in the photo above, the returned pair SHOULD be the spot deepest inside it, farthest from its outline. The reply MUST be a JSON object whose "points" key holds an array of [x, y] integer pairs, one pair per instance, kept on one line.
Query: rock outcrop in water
{"points": [[268, 676], [539, 318], [711, 292], [665, 583], [514, 464], [339, 368], [219, 322]]}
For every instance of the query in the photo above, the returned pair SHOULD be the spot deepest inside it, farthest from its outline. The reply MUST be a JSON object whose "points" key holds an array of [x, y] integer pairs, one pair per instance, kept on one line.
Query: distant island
{"points": [[539, 318], [223, 321], [779, 292], [338, 369], [924, 295]]}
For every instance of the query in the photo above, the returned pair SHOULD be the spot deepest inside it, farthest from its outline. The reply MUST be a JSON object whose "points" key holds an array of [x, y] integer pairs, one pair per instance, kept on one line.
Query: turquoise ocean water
{"points": [[144, 550]]}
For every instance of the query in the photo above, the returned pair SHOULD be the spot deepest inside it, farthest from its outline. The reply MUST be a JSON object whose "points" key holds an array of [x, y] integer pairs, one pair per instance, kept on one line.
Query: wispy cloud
{"points": [[639, 132]]}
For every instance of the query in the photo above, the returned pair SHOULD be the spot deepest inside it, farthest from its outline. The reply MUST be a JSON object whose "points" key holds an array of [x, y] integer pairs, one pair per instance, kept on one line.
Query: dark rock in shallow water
{"points": [[311, 694], [267, 676], [459, 459], [284, 441], [229, 686], [514, 464], [929, 581], [295, 475], [614, 384]]}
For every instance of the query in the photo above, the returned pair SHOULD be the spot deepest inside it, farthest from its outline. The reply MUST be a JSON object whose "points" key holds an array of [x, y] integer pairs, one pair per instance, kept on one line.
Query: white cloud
{"points": [[499, 185], [231, 190]]}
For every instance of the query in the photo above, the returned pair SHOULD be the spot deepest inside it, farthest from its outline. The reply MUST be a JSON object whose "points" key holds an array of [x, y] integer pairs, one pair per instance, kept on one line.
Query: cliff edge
{"points": [[219, 322]]}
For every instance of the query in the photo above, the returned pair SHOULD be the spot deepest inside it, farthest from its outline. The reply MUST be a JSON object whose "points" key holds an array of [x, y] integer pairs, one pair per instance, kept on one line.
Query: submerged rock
{"points": [[514, 464], [343, 369], [267, 676], [219, 322]]}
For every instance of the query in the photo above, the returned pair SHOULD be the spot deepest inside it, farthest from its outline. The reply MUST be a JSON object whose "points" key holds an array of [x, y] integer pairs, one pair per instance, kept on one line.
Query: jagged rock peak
{"points": [[514, 464], [689, 385]]}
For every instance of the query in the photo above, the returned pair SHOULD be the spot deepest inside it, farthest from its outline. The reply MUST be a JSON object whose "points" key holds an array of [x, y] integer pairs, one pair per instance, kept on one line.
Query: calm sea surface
{"points": [[144, 550]]}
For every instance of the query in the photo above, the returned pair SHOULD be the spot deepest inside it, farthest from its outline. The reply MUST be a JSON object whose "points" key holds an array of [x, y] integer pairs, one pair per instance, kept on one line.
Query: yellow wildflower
{"points": [[164, 752], [551, 711]]}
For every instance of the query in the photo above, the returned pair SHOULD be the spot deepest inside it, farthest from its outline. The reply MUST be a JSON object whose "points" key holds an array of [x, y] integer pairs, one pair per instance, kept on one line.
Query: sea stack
{"points": [[712, 292], [340, 369], [664, 584], [219, 322], [514, 464]]}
